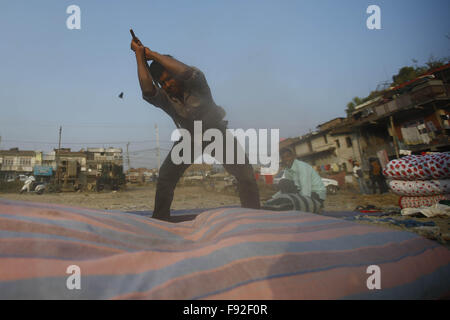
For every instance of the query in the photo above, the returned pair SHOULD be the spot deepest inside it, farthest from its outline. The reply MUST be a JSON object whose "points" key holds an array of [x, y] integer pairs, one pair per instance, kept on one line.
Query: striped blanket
{"points": [[227, 253], [293, 201]]}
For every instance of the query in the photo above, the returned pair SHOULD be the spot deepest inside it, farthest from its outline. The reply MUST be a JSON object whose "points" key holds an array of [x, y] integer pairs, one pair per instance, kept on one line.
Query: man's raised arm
{"points": [[145, 78]]}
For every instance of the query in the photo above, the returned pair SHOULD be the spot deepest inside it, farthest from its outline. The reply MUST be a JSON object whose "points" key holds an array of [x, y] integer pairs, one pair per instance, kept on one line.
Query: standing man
{"points": [[376, 176], [359, 176], [183, 93]]}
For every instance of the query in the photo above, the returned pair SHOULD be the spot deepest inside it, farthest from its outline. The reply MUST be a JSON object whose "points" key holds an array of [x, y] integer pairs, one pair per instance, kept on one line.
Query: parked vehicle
{"points": [[331, 185], [31, 185], [22, 177]]}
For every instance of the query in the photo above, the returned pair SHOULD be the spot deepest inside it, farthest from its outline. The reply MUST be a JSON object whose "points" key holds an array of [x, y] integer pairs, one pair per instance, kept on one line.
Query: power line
{"points": [[148, 150], [80, 143], [82, 125]]}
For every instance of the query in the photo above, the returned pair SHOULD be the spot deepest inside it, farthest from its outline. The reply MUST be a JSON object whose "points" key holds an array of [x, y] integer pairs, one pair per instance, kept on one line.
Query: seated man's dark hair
{"points": [[287, 150], [156, 70]]}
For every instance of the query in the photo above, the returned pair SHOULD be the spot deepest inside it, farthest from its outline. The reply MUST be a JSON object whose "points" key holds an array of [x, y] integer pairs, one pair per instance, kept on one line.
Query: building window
{"points": [[24, 162], [338, 143], [349, 142]]}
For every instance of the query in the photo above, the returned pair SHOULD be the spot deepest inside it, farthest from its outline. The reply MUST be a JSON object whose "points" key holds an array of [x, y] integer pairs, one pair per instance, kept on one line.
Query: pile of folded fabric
{"points": [[421, 181]]}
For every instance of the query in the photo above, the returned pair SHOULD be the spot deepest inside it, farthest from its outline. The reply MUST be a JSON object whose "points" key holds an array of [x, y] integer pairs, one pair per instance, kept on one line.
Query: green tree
{"points": [[357, 101], [352, 105], [434, 63], [350, 108], [411, 72], [405, 74]]}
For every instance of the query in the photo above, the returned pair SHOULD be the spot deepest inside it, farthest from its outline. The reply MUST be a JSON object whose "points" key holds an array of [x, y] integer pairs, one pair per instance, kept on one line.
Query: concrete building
{"points": [[65, 155], [141, 175], [97, 157], [49, 159], [14, 162], [410, 118], [328, 152]]}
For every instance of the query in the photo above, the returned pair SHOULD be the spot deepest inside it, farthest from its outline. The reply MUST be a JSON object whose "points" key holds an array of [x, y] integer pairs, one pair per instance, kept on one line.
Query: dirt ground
{"points": [[141, 198], [136, 197]]}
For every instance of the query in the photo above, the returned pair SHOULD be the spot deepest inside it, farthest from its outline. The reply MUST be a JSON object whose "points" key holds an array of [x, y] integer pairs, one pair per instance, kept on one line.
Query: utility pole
{"points": [[128, 158], [57, 157], [59, 142], [157, 147]]}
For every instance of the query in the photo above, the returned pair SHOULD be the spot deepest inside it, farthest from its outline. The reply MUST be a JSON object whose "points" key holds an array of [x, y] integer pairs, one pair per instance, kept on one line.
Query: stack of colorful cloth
{"points": [[421, 181]]}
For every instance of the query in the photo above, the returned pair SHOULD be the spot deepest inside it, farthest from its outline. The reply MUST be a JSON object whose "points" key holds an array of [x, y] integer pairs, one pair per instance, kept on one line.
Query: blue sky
{"points": [[271, 64]]}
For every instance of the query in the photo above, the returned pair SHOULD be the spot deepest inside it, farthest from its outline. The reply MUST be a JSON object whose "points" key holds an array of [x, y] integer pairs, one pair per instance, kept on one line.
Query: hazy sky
{"points": [[271, 64]]}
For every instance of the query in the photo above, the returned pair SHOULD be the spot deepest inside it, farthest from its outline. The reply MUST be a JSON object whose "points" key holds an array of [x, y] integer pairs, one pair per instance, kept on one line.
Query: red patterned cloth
{"points": [[420, 187], [418, 202], [425, 167]]}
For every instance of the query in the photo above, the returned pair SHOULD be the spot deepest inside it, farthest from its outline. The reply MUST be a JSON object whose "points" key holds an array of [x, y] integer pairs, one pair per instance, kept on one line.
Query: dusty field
{"points": [[141, 198], [134, 198], [187, 197]]}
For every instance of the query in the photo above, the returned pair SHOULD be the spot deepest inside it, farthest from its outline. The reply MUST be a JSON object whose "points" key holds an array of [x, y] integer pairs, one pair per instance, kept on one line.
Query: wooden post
{"points": [[394, 136], [438, 116]]}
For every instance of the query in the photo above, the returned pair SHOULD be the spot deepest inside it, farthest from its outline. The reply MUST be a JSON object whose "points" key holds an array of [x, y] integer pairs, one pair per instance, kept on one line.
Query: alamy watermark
{"points": [[74, 20], [220, 143], [374, 20], [73, 282], [374, 281]]}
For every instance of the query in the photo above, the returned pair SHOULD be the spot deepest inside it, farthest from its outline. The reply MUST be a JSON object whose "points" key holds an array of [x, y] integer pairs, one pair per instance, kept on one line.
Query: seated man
{"points": [[301, 187]]}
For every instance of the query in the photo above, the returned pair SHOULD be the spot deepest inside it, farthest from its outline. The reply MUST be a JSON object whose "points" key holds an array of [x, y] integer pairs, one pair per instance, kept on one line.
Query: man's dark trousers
{"points": [[170, 174]]}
